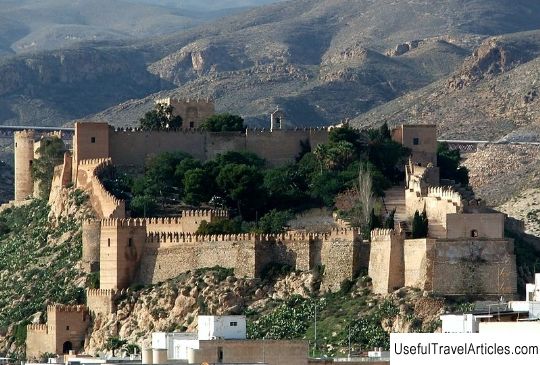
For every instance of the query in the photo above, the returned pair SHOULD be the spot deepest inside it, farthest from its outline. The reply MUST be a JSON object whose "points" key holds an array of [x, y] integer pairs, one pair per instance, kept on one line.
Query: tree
{"points": [[51, 153], [389, 221], [198, 186], [143, 206], [274, 221], [220, 226], [114, 343], [420, 225], [365, 195], [224, 123], [132, 349], [448, 161], [347, 134], [243, 185], [160, 118]]}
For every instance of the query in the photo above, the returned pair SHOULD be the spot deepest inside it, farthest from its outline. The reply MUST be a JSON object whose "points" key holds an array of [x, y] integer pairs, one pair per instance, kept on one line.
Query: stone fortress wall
{"points": [[465, 252]]}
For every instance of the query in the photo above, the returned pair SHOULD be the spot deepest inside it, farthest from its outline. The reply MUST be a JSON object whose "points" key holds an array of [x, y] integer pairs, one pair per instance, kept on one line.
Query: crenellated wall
{"points": [[132, 147], [104, 204], [153, 257], [188, 222], [103, 301]]}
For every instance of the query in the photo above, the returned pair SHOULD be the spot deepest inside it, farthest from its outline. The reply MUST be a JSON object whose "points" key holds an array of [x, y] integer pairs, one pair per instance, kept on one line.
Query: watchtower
{"points": [[121, 245], [277, 119], [24, 158]]}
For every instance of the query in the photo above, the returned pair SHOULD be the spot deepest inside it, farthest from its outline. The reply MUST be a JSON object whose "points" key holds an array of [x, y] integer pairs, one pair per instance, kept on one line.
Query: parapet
{"points": [[379, 234], [175, 237], [65, 308], [447, 194], [25, 134], [128, 222], [106, 292], [206, 213], [37, 328], [96, 161]]}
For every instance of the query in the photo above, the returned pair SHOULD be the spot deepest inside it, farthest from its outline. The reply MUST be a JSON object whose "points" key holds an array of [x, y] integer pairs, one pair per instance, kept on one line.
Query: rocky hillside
{"points": [[6, 182], [370, 52], [493, 95], [278, 308], [39, 258]]}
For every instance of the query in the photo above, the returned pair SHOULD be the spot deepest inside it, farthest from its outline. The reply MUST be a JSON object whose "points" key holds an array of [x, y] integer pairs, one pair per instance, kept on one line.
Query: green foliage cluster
{"points": [[224, 123], [338, 315], [40, 273], [51, 154], [263, 198], [420, 225], [289, 320], [448, 161], [160, 118]]}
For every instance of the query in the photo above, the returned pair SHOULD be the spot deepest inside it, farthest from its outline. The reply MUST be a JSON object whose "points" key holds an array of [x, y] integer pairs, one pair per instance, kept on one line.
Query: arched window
{"points": [[474, 233]]}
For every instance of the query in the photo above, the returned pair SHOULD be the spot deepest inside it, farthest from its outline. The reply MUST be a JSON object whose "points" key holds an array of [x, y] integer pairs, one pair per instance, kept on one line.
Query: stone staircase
{"points": [[395, 199], [436, 230]]}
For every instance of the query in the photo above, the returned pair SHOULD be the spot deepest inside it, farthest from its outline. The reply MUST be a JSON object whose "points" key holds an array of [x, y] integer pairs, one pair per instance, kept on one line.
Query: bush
{"points": [[224, 123], [274, 222]]}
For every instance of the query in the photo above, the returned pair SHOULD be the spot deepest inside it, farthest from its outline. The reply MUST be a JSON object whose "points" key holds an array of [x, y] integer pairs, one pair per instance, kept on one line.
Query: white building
{"points": [[178, 345], [499, 316]]}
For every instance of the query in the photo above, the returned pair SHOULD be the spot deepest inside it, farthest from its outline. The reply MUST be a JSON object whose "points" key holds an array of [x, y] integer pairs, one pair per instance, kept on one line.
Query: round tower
{"points": [[24, 158]]}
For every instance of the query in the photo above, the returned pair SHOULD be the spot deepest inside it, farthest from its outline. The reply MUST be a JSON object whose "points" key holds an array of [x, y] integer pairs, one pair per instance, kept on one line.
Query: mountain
{"points": [[493, 95], [206, 5], [320, 60], [33, 25]]}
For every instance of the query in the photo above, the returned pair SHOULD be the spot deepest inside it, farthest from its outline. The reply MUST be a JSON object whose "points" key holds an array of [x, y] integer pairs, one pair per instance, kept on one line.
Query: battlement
{"points": [[55, 308], [447, 194], [128, 222], [27, 133], [103, 162], [206, 213], [265, 131], [37, 328], [106, 292], [196, 101], [175, 237], [381, 233]]}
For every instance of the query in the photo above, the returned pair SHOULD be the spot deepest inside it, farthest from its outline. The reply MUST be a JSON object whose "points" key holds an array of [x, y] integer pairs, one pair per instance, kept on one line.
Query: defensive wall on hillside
{"points": [[188, 221], [130, 254]]}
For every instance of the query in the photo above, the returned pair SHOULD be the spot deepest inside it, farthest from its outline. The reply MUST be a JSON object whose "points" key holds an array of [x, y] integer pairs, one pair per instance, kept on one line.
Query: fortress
{"points": [[465, 252]]}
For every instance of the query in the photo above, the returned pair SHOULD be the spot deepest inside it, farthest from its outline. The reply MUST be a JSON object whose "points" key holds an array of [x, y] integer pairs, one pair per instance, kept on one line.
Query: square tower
{"points": [[121, 245]]}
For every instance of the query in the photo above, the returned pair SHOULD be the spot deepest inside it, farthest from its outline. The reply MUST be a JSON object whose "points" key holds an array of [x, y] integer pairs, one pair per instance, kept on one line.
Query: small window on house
{"points": [[15, 144], [67, 328], [108, 242], [30, 163], [474, 233], [233, 324], [93, 140], [416, 141], [130, 242], [191, 124]]}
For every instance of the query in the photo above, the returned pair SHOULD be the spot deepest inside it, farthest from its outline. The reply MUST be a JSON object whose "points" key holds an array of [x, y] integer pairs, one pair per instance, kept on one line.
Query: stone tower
{"points": [[121, 245], [277, 119], [24, 158]]}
